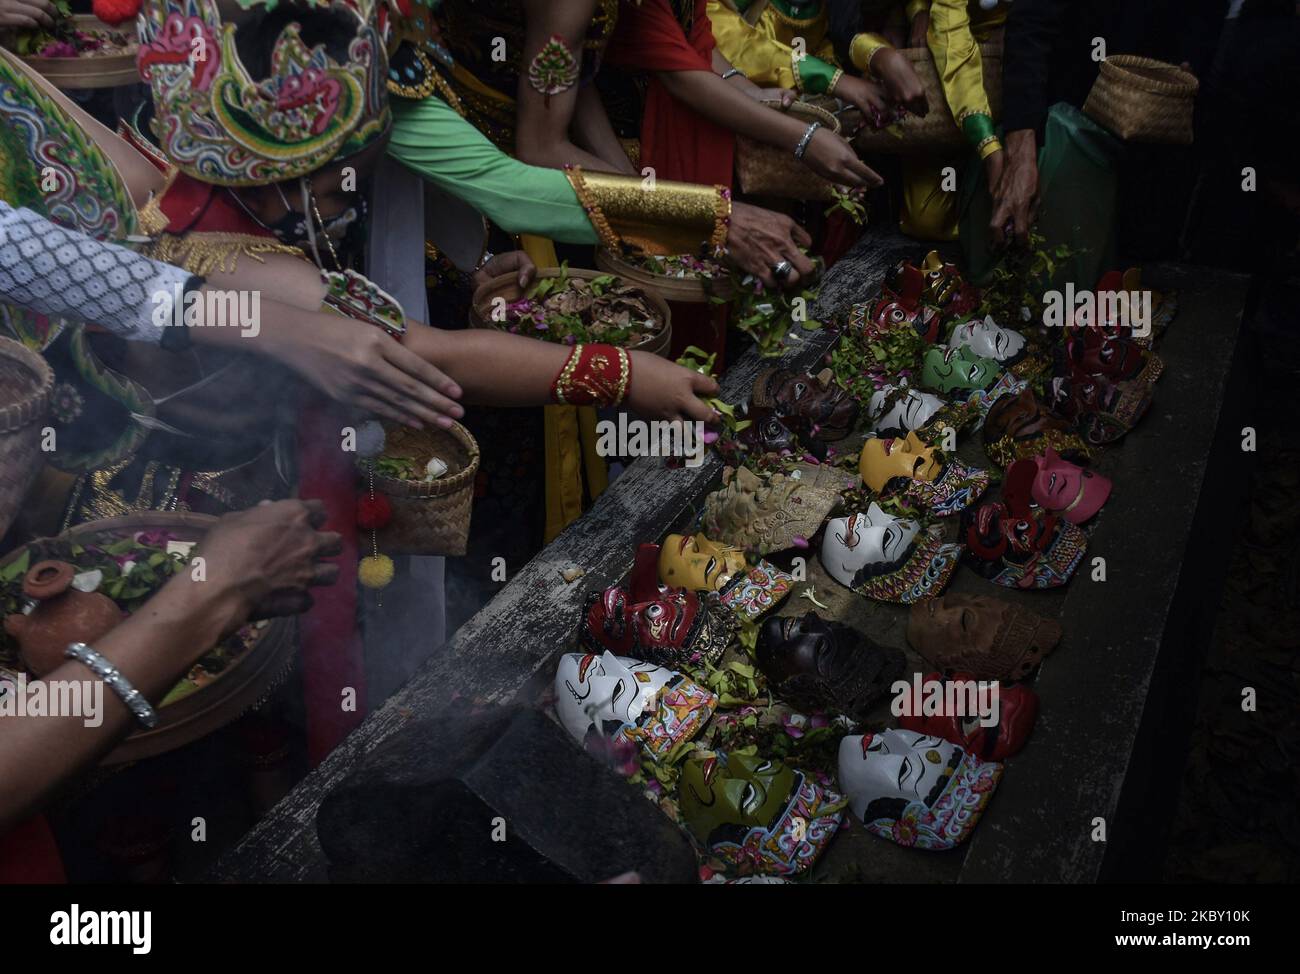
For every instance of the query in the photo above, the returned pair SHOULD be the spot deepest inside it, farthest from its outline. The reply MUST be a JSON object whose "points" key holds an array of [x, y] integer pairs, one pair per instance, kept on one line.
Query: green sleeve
{"points": [[815, 75], [431, 139]]}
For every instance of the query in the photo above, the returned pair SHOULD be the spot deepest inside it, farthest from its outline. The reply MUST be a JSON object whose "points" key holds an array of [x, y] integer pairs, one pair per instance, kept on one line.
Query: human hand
{"points": [[264, 560], [20, 14], [868, 97], [507, 263], [361, 365], [661, 389], [898, 76], [1015, 194], [759, 239], [831, 157]]}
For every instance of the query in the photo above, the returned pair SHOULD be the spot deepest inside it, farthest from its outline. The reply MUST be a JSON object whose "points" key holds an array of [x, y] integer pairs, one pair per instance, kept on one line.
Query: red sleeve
{"points": [[649, 38]]}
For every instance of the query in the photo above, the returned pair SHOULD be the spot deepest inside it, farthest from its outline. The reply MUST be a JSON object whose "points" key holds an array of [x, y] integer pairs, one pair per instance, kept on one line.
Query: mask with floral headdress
{"points": [[767, 514]]}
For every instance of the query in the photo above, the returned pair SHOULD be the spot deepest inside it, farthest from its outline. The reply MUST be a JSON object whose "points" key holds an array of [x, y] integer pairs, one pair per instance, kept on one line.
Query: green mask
{"points": [[726, 797], [757, 815], [946, 369]]}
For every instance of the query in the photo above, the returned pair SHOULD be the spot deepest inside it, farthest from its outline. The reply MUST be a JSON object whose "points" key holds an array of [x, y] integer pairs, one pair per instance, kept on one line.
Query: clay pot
{"points": [[63, 616]]}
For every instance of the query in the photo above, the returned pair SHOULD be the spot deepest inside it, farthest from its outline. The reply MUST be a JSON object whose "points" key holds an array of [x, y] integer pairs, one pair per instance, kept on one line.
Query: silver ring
{"points": [[782, 270]]}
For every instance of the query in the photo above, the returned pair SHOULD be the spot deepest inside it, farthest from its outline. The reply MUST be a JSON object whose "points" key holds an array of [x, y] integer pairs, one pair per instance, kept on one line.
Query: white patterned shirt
{"points": [[59, 272]]}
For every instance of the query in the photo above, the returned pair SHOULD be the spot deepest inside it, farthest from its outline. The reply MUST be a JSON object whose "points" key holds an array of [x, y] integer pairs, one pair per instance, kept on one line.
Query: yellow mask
{"points": [[884, 458], [693, 561]]}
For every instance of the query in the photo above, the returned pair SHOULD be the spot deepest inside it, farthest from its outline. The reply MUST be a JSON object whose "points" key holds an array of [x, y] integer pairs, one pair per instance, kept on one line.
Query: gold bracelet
{"points": [[670, 218], [564, 380], [624, 376]]}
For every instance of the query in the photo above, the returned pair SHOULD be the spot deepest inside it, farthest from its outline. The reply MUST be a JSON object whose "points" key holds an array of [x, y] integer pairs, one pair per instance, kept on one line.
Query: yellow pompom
{"points": [[375, 571]]}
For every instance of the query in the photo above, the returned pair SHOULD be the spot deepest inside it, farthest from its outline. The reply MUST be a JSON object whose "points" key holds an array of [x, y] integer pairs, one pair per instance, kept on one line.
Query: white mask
{"points": [[988, 339], [608, 691], [853, 542], [618, 698], [909, 412], [893, 764], [914, 789]]}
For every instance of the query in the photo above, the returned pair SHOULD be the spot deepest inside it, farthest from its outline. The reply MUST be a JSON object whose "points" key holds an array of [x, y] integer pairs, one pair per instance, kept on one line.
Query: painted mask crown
{"points": [[220, 125]]}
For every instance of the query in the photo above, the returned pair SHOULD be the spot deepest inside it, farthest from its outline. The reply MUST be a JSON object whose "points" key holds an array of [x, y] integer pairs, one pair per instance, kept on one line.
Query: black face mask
{"points": [[291, 228], [346, 231], [817, 665]]}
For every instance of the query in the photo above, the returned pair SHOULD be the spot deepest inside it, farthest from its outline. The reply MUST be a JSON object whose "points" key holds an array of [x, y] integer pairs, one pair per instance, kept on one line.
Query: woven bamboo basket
{"points": [[938, 130], [242, 686], [1142, 100], [90, 70], [26, 384], [766, 170], [685, 289], [507, 286], [429, 518]]}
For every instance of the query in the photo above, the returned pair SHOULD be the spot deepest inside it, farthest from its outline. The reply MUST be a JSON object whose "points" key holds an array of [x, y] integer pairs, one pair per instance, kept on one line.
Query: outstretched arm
{"points": [[260, 559], [490, 367], [827, 154], [432, 140], [498, 369]]}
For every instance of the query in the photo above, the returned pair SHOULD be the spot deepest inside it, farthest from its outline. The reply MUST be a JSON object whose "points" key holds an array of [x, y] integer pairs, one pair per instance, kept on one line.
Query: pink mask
{"points": [[1058, 486]]}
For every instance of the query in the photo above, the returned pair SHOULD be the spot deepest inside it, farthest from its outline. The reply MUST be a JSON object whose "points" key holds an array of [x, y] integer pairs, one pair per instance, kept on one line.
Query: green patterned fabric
{"points": [[49, 165]]}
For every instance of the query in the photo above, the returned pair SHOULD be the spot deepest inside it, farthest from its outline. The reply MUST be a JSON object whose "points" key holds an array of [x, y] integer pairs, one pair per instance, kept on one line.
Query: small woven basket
{"points": [[1142, 100], [938, 130], [26, 384], [429, 518], [765, 170]]}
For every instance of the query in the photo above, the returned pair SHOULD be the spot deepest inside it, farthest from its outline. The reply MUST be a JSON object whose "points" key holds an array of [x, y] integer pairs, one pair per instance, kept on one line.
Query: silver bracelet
{"points": [[802, 147], [731, 73], [110, 674]]}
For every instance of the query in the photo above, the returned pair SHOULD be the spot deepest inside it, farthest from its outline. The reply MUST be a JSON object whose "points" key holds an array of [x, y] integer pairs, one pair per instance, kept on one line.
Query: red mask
{"points": [[1020, 547], [1017, 711], [941, 286], [896, 308], [1102, 410], [994, 531], [1094, 352], [655, 623]]}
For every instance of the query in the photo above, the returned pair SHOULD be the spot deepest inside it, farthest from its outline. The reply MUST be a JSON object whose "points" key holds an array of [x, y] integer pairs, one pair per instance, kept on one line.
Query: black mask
{"points": [[346, 231], [291, 229], [818, 665]]}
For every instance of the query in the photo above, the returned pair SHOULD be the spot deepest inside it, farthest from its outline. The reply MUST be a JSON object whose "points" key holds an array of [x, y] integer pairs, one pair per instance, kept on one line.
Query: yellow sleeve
{"points": [[957, 57], [863, 47], [765, 60], [914, 7]]}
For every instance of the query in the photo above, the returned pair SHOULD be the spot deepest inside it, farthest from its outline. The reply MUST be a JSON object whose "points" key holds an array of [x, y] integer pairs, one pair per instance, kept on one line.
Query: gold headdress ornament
{"points": [[220, 125]]}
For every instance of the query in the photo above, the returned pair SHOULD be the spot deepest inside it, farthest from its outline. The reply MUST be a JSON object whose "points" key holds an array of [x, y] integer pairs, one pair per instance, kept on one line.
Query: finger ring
{"points": [[782, 270]]}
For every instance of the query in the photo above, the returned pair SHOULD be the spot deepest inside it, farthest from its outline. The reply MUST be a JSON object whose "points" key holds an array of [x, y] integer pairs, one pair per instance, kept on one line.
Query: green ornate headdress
{"points": [[220, 125]]}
